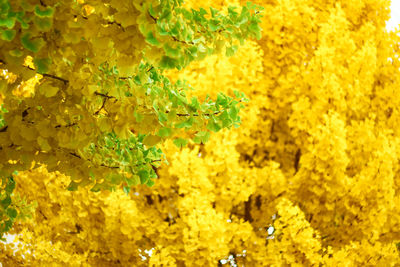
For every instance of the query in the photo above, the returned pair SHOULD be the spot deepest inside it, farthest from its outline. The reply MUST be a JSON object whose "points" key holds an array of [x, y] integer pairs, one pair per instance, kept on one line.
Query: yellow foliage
{"points": [[311, 177]]}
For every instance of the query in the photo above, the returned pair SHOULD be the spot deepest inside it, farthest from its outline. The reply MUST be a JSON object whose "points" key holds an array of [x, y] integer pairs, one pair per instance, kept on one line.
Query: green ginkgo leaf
{"points": [[42, 64], [180, 142], [33, 45], [151, 39], [44, 11], [12, 213], [8, 35]]}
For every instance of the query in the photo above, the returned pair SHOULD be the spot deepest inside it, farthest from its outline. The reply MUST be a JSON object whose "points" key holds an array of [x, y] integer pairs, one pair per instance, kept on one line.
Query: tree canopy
{"points": [[311, 177], [84, 91]]}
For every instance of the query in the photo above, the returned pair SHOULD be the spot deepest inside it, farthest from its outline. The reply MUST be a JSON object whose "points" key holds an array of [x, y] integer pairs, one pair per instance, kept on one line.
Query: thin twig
{"points": [[196, 115], [103, 95], [102, 165], [205, 114], [68, 125], [52, 76], [44, 74], [102, 106], [130, 77]]}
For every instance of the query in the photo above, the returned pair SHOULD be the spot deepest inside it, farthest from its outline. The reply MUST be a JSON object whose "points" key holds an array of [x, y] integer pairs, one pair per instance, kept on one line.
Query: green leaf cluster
{"points": [[2, 111], [124, 161], [26, 22], [96, 115], [12, 206], [168, 103], [8, 213], [187, 35], [130, 115]]}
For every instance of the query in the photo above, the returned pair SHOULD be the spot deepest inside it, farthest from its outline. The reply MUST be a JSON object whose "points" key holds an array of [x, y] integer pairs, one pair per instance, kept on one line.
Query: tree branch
{"points": [[247, 211], [196, 115], [173, 37], [106, 97], [51, 76], [296, 160], [44, 74], [130, 77], [112, 167], [102, 106], [42, 3], [68, 125], [102, 165], [10, 146], [103, 95], [116, 23], [205, 114]]}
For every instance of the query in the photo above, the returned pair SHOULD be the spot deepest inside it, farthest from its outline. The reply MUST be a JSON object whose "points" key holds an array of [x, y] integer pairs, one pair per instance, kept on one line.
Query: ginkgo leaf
{"points": [[48, 90], [43, 24], [151, 140], [144, 176], [151, 39], [42, 64], [164, 132], [41, 11], [7, 22], [180, 142], [33, 45], [8, 35], [44, 145], [201, 137]]}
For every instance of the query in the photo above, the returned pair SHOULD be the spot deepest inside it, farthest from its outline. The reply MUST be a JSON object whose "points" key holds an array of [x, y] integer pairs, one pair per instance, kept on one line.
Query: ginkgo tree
{"points": [[83, 88], [310, 178]]}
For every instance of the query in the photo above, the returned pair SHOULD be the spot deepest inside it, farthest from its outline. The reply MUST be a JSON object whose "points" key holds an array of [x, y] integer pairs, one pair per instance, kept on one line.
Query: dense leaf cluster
{"points": [[84, 87]]}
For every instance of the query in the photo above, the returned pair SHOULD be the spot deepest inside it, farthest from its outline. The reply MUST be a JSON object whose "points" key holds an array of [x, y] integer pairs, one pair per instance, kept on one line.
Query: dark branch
{"points": [[296, 160], [10, 146], [116, 23], [44, 74], [154, 19], [106, 97], [3, 129], [247, 210], [102, 106], [130, 77], [68, 125], [52, 76], [75, 155], [205, 114], [78, 229], [56, 77], [84, 17], [180, 41], [103, 95], [196, 115], [43, 214]]}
